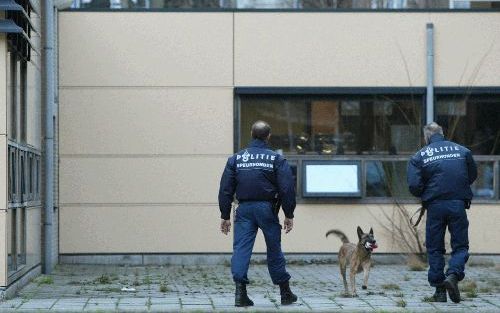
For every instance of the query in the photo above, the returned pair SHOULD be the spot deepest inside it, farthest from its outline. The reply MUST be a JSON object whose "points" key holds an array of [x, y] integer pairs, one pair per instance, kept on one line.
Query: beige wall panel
{"points": [[195, 229], [467, 49], [140, 180], [33, 236], [313, 221], [145, 49], [142, 229], [3, 84], [318, 49], [3, 248], [146, 121], [363, 49], [34, 106]]}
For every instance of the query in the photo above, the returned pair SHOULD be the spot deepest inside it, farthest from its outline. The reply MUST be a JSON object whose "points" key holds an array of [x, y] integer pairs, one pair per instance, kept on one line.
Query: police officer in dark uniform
{"points": [[259, 177], [441, 174]]}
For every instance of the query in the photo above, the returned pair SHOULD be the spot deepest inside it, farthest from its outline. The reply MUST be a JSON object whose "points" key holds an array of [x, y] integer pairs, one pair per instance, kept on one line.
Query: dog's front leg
{"points": [[366, 273], [352, 276]]}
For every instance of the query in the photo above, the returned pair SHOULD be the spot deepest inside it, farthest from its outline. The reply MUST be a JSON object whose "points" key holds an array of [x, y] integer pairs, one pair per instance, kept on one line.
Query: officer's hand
{"points": [[225, 226], [288, 224]]}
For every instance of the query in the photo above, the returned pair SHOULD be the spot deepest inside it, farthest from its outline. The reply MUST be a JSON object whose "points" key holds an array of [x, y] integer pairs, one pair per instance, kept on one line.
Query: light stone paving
{"points": [[85, 288]]}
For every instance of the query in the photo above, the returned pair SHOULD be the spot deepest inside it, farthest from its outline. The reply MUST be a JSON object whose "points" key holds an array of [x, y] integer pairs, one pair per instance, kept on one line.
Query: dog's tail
{"points": [[339, 234]]}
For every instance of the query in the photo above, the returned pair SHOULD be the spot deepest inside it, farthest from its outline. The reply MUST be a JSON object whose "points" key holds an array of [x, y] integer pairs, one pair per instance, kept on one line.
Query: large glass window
{"points": [[473, 121], [380, 130], [386, 179], [336, 125]]}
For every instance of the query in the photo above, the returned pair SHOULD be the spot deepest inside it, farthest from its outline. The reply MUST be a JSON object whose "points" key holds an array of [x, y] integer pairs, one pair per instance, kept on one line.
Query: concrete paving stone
{"points": [[165, 301], [188, 300], [102, 301], [11, 303], [40, 304], [323, 305], [199, 307], [133, 301], [316, 299], [165, 307], [100, 308]]}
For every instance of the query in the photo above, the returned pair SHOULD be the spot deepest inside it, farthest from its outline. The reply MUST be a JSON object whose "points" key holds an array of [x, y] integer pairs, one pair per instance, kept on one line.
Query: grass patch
{"points": [[468, 285], [471, 293], [415, 264], [44, 280], [391, 287], [163, 287], [103, 279], [428, 299], [485, 290], [401, 303]]}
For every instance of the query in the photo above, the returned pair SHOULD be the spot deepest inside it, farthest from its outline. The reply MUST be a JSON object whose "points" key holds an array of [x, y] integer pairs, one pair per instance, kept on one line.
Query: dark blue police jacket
{"points": [[442, 170], [257, 174]]}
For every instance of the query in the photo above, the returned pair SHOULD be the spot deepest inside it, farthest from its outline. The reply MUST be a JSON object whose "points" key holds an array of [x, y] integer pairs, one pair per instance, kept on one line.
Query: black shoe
{"points": [[439, 295], [240, 296], [451, 284], [287, 296]]}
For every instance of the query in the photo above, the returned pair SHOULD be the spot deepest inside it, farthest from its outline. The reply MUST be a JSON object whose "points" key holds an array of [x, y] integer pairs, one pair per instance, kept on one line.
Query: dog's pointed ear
{"points": [[360, 233], [371, 231]]}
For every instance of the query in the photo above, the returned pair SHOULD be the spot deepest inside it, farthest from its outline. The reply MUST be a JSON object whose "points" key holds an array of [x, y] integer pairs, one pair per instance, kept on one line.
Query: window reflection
{"points": [[472, 121], [377, 124], [483, 186], [386, 179]]}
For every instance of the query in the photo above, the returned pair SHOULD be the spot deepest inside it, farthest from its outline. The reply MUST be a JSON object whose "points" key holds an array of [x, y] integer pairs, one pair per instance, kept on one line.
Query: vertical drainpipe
{"points": [[430, 74], [48, 100]]}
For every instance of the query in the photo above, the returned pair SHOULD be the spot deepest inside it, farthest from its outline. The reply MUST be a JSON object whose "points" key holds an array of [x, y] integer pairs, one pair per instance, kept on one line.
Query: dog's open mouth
{"points": [[370, 246]]}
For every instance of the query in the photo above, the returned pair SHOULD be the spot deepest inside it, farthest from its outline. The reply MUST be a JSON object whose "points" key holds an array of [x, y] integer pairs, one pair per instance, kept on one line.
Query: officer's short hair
{"points": [[432, 129], [260, 130]]}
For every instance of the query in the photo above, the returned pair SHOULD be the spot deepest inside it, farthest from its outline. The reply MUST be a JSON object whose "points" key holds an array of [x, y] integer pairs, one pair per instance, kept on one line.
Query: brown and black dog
{"points": [[357, 256]]}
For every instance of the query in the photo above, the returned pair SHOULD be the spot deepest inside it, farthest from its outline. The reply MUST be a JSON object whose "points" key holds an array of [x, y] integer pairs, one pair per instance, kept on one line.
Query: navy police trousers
{"points": [[250, 216], [442, 214]]}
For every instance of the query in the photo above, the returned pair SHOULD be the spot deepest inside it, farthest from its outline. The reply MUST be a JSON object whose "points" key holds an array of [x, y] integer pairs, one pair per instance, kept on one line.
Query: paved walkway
{"points": [[86, 288]]}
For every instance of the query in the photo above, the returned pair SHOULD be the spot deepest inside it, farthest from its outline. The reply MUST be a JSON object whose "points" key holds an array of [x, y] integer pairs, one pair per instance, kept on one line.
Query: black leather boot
{"points": [[440, 295], [451, 284], [240, 296], [287, 296]]}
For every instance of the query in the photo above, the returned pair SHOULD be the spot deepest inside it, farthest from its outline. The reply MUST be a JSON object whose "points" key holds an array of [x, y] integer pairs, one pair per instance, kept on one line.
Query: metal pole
{"points": [[430, 74], [48, 98]]}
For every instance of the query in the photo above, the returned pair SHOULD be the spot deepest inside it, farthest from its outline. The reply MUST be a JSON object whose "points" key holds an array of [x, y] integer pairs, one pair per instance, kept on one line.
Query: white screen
{"points": [[332, 178]]}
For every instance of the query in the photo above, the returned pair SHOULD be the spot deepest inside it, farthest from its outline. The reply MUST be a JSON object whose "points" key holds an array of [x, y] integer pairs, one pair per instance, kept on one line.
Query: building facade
{"points": [[20, 140], [153, 97], [149, 115]]}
